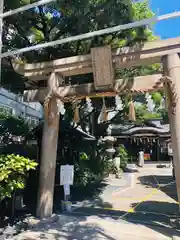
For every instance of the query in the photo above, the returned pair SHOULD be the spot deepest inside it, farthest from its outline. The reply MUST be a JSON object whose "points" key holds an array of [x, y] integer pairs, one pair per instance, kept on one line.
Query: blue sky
{"points": [[167, 28]]}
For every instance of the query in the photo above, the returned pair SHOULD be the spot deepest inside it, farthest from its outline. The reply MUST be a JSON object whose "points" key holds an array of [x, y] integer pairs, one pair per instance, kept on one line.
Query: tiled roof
{"points": [[131, 129]]}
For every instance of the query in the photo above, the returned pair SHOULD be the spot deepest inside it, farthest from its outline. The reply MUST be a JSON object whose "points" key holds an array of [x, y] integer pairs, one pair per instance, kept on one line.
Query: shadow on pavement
{"points": [[143, 214], [70, 228], [79, 225], [156, 207], [158, 222], [99, 203], [152, 214], [153, 181], [80, 193]]}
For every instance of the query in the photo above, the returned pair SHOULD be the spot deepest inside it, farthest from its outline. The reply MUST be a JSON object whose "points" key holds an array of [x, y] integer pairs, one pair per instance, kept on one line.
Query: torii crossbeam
{"points": [[102, 62]]}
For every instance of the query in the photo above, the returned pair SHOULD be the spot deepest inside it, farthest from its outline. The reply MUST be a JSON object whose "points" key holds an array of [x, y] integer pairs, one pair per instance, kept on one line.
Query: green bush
{"points": [[83, 156], [123, 154], [13, 173], [83, 171]]}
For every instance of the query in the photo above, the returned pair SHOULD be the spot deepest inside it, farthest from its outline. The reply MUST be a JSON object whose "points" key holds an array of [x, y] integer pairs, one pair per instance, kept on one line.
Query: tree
{"points": [[143, 114], [12, 127], [58, 21], [14, 134], [13, 173], [157, 98], [63, 19]]}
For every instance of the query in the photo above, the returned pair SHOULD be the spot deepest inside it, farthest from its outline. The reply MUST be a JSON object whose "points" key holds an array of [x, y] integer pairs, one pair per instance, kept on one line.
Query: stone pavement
{"points": [[138, 206], [148, 196], [151, 189], [95, 228]]}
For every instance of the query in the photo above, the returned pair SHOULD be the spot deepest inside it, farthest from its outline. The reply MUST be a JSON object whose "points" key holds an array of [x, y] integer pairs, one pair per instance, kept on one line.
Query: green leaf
{"points": [[38, 35], [13, 173]]}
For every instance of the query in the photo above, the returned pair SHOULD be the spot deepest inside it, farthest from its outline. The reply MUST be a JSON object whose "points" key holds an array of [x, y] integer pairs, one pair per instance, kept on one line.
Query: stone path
{"points": [[151, 190], [140, 207], [96, 228]]}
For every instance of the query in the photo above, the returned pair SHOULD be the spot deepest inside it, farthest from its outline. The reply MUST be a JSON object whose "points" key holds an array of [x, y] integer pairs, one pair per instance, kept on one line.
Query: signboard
{"points": [[66, 189], [147, 156], [66, 175]]}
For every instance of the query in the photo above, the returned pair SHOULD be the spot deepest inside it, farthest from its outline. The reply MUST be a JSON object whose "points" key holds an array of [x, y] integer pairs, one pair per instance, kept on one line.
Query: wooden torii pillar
{"points": [[49, 149], [171, 65], [104, 80], [102, 62], [48, 162]]}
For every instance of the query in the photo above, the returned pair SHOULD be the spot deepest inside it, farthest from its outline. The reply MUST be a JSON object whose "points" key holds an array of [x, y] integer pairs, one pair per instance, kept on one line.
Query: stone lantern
{"points": [[109, 142]]}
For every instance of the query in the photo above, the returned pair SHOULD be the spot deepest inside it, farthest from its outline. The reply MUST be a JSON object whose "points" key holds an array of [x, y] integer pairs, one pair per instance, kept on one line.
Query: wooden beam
{"points": [[65, 66], [140, 54], [137, 85]]}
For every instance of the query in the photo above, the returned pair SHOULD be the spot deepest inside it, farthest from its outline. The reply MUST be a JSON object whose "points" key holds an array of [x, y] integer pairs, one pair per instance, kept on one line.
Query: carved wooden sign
{"points": [[103, 71]]}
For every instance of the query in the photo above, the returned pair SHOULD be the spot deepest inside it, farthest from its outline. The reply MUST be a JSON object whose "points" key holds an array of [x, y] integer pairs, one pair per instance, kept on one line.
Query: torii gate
{"points": [[102, 62]]}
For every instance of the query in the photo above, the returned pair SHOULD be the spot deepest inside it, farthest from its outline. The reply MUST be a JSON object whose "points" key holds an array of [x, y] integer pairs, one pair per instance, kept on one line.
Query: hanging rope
{"points": [[76, 113], [103, 114], [132, 113], [171, 96]]}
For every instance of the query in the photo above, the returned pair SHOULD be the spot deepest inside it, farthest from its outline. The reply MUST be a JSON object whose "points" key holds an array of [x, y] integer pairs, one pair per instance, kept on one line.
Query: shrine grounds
{"points": [[140, 205]]}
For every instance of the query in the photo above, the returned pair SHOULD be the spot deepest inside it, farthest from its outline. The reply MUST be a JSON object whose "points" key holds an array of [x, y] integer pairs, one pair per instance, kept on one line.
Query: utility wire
{"points": [[15, 11], [140, 23], [25, 8]]}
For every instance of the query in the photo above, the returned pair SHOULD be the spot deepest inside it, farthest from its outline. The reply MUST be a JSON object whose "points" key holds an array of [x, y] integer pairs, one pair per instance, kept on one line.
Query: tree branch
{"points": [[44, 23], [78, 46], [21, 32]]}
